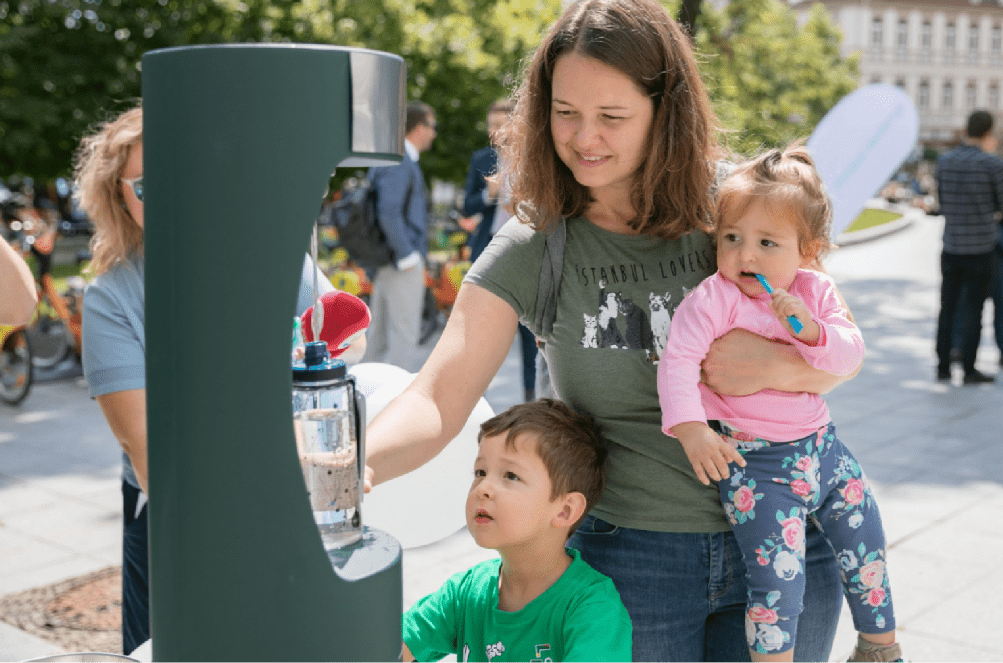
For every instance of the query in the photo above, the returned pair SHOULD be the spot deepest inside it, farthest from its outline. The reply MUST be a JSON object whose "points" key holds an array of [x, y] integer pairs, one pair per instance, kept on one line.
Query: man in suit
{"points": [[482, 196], [402, 210]]}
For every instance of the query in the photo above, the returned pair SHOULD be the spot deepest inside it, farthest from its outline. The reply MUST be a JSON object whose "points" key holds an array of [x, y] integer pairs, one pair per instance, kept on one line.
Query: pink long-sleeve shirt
{"points": [[717, 306]]}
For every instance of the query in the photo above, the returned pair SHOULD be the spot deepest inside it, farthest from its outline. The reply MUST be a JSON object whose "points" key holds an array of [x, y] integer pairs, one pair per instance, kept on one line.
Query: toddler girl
{"points": [[775, 454]]}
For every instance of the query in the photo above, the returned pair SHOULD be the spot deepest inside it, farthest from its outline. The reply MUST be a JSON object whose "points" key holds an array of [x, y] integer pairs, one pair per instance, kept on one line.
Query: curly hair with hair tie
{"points": [[787, 181]]}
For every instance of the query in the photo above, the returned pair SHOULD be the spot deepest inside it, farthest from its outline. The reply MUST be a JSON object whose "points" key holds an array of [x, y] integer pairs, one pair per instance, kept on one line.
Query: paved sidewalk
{"points": [[933, 453]]}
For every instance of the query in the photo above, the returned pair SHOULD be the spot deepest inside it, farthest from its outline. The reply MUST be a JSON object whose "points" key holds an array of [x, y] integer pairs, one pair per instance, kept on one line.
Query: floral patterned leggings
{"points": [[767, 502]]}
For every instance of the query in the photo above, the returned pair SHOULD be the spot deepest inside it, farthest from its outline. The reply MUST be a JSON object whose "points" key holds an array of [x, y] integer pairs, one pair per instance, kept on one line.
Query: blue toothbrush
{"points": [[795, 323]]}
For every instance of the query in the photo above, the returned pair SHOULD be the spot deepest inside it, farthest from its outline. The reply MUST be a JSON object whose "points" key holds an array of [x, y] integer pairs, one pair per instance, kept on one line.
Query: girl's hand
{"points": [[708, 452], [785, 304]]}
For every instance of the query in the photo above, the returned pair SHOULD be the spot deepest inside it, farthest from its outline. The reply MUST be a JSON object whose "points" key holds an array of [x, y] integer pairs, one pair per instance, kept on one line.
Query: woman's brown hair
{"points": [[100, 161], [671, 193]]}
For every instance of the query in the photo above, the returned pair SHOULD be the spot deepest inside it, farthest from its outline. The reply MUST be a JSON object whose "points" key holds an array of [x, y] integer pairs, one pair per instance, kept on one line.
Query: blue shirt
{"points": [[113, 349]]}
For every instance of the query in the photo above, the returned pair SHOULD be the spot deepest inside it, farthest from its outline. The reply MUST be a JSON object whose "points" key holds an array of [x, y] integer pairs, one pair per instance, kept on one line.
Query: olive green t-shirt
{"points": [[618, 293]]}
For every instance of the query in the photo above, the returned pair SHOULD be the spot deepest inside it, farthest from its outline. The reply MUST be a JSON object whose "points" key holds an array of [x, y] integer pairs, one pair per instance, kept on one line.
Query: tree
{"points": [[65, 64], [771, 81], [689, 15], [461, 56]]}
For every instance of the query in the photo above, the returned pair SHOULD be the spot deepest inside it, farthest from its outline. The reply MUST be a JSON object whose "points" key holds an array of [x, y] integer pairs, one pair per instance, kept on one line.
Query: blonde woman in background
{"points": [[109, 180]]}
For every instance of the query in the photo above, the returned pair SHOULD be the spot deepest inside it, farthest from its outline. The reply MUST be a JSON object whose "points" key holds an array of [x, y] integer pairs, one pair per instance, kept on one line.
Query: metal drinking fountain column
{"points": [[239, 144]]}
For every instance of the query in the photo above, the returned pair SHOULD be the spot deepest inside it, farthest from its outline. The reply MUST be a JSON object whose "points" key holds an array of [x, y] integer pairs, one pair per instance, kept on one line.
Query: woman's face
{"points": [[600, 121], [133, 169]]}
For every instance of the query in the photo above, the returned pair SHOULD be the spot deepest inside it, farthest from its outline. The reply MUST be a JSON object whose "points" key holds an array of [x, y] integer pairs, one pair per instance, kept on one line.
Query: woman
{"points": [[109, 178], [613, 131]]}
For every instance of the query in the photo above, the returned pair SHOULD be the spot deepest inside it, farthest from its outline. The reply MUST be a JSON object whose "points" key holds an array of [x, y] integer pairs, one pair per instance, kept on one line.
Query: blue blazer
{"points": [[483, 163], [406, 229]]}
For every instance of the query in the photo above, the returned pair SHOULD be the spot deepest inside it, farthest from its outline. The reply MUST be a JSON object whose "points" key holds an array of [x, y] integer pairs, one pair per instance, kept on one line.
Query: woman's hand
{"points": [[741, 363], [734, 363]]}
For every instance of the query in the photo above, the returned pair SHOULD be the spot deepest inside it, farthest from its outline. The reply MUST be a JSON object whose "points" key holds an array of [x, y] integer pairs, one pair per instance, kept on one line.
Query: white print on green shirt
{"points": [[495, 650], [540, 651]]}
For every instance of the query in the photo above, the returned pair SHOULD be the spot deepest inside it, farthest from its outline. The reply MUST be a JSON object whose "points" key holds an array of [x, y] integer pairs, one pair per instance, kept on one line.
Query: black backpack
{"points": [[359, 231]]}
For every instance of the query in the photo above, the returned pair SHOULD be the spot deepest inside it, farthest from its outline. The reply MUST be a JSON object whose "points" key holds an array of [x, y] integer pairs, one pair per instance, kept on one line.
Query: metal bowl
{"points": [[83, 657]]}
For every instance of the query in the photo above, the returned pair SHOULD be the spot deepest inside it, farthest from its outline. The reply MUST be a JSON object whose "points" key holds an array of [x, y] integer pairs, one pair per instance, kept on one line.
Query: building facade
{"points": [[946, 54]]}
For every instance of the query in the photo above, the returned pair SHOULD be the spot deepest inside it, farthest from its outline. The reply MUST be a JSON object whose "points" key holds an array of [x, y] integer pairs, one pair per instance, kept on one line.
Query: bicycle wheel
{"points": [[16, 372], [51, 340]]}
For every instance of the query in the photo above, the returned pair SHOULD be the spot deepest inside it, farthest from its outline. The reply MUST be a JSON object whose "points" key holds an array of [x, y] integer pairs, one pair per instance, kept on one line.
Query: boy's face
{"points": [[759, 241], [509, 500]]}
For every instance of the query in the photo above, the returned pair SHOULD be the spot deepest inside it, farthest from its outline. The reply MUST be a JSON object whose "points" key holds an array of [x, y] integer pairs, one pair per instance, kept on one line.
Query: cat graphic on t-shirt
{"points": [[660, 320]]}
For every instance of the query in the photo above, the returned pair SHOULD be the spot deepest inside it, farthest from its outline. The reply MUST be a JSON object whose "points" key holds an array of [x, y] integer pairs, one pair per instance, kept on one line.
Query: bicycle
{"points": [[16, 372], [55, 330]]}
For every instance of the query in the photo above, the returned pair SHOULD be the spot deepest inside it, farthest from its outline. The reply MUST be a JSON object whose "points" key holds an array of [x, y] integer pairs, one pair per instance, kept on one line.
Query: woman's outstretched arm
{"points": [[414, 427]]}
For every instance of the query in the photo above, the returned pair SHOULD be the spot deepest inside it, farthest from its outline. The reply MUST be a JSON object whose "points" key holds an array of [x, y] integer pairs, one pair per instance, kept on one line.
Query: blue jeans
{"points": [[685, 592], [527, 341], [135, 572]]}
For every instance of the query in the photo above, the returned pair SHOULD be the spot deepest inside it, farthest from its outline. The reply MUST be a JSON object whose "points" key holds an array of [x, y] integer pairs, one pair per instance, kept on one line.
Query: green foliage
{"points": [[66, 64], [461, 56], [771, 81]]}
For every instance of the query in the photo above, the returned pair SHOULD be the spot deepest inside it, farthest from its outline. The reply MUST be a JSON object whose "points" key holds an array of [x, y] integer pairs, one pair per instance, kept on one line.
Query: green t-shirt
{"points": [[579, 618], [618, 293]]}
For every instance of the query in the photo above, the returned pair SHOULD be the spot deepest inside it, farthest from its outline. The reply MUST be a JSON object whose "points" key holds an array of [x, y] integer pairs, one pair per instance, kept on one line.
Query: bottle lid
{"points": [[315, 353], [317, 366]]}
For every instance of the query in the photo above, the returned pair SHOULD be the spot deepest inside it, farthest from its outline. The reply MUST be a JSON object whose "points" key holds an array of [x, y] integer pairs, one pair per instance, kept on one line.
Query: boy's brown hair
{"points": [[569, 443], [786, 181]]}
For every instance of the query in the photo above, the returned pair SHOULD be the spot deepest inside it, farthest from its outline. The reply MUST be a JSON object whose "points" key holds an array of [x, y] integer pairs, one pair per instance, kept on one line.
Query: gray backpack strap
{"points": [[550, 278], [722, 170]]}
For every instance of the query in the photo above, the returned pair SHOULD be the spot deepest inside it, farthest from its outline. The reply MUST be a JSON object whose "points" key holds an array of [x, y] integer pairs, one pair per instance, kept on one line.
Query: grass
{"points": [[870, 218], [60, 272]]}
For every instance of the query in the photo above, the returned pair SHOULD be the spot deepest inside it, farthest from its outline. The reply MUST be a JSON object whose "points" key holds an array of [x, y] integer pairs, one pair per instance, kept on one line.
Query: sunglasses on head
{"points": [[137, 186]]}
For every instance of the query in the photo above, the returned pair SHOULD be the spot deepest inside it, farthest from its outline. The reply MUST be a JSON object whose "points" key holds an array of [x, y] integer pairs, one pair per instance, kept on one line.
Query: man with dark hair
{"points": [[402, 207], [483, 193], [970, 188]]}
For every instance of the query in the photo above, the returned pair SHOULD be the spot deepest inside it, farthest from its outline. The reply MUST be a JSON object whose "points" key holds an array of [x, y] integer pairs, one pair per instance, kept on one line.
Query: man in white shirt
{"points": [[402, 210]]}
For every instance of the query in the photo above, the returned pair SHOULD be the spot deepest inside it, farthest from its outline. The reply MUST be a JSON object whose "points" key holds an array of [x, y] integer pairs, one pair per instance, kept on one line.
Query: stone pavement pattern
{"points": [[932, 452]]}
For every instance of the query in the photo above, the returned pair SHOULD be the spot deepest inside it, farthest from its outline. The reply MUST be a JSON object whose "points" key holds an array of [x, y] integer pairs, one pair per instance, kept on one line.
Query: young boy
{"points": [[538, 472]]}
